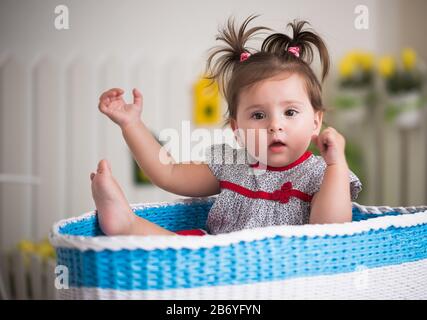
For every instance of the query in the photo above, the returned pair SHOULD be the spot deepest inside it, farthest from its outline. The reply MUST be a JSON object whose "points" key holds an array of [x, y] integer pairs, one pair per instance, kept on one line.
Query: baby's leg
{"points": [[114, 213]]}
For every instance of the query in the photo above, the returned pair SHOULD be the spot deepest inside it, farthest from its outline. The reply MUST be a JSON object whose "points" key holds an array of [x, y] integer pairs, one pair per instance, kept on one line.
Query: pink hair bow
{"points": [[294, 51], [244, 56]]}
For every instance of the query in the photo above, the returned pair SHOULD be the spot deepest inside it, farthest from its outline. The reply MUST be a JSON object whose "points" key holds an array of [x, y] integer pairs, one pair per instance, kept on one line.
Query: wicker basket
{"points": [[382, 254]]}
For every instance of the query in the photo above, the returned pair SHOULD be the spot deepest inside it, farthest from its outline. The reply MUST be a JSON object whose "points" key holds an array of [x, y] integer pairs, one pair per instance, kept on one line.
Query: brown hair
{"points": [[272, 59]]}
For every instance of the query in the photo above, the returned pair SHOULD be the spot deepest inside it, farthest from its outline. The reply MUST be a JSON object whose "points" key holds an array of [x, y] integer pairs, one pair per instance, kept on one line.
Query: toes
{"points": [[104, 167], [108, 165]]}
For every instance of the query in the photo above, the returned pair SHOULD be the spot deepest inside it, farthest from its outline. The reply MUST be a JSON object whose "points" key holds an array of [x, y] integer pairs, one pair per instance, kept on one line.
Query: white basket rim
{"points": [[418, 216]]}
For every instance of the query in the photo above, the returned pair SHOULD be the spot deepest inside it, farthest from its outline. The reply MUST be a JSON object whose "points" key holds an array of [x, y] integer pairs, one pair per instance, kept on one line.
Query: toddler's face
{"points": [[277, 108]]}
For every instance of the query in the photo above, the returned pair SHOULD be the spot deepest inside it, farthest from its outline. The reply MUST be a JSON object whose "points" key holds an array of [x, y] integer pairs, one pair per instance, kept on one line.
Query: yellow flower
{"points": [[45, 249], [354, 61], [386, 66], [409, 58], [26, 246], [353, 56], [207, 103], [346, 67], [366, 60]]}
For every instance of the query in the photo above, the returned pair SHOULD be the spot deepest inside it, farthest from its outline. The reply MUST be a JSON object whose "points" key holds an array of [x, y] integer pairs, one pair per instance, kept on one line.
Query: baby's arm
{"points": [[332, 204], [192, 180], [186, 179]]}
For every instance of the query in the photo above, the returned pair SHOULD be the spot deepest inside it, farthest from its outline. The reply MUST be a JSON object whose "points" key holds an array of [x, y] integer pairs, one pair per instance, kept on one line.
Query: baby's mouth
{"points": [[277, 146]]}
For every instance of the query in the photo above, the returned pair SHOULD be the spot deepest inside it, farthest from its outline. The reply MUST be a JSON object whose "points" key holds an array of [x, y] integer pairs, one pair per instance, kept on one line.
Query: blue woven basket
{"points": [[382, 254]]}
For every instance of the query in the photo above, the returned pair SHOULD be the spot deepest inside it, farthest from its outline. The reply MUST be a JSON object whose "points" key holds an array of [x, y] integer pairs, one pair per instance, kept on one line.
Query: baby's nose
{"points": [[275, 129], [275, 126]]}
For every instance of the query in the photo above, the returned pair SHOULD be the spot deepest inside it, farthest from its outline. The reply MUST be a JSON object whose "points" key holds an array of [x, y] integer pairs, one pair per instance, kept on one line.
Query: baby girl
{"points": [[272, 93]]}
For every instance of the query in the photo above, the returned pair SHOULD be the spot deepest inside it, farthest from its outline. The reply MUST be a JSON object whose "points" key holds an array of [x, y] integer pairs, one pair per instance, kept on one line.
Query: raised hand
{"points": [[331, 145], [111, 104]]}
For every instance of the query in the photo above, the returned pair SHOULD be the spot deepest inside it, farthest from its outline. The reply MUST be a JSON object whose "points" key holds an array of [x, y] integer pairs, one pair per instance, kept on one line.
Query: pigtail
{"points": [[304, 39], [223, 59]]}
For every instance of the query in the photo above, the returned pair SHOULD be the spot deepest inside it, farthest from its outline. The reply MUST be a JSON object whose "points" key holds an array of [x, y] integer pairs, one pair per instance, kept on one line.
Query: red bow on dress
{"points": [[283, 193]]}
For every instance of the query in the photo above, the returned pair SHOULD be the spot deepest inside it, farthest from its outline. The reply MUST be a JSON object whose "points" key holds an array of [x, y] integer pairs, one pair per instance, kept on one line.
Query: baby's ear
{"points": [[233, 125], [318, 119]]}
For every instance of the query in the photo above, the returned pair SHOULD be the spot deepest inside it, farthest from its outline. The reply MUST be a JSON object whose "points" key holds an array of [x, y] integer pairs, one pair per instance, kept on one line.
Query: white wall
{"points": [[50, 82]]}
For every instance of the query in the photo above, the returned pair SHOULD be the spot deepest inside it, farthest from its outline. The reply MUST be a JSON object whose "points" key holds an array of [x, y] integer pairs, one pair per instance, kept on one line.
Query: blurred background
{"points": [[57, 57]]}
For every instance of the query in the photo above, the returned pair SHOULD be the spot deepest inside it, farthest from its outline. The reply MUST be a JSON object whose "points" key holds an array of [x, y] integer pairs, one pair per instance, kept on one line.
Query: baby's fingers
{"points": [[137, 97], [103, 106], [108, 97], [112, 93], [319, 142]]}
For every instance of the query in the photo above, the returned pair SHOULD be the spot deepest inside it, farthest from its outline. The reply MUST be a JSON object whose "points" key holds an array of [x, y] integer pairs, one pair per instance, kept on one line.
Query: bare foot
{"points": [[114, 213]]}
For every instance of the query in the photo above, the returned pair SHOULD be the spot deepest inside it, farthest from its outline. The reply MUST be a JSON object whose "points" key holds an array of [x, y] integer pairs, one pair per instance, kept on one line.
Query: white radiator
{"points": [[26, 276]]}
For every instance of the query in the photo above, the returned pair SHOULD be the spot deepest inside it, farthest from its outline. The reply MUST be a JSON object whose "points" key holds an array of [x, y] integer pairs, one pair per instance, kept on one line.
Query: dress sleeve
{"points": [[318, 171], [219, 155], [355, 186]]}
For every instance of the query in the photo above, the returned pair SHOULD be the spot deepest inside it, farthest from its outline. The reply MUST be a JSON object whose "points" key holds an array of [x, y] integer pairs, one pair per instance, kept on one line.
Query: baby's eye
{"points": [[291, 112], [258, 115]]}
